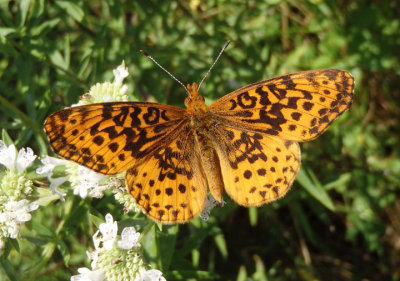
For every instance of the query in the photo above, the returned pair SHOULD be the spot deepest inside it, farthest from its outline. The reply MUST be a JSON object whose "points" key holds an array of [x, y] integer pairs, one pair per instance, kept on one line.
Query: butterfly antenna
{"points": [[159, 65], [211, 67]]}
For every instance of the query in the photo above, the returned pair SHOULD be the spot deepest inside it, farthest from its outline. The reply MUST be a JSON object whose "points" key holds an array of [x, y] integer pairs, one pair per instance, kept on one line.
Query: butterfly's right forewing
{"points": [[111, 137]]}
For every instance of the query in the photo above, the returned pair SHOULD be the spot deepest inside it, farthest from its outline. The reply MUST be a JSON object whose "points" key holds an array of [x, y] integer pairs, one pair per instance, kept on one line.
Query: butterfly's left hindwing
{"points": [[256, 168]]}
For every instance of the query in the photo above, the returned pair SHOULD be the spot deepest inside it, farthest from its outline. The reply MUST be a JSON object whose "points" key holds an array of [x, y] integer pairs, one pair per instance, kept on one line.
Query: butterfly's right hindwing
{"points": [[170, 185]]}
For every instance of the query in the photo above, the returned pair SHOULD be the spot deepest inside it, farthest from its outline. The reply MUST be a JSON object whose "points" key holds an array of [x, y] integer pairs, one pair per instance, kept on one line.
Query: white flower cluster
{"points": [[13, 161], [107, 91], [49, 164], [15, 191], [84, 181], [16, 213], [116, 258]]}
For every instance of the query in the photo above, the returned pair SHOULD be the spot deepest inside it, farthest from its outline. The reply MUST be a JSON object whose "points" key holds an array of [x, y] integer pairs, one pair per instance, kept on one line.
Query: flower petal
{"points": [[86, 274], [120, 73], [25, 158], [129, 238], [109, 232], [8, 155]]}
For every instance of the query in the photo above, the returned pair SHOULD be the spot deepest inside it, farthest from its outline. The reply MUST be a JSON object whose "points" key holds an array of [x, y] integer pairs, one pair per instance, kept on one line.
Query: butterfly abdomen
{"points": [[209, 161]]}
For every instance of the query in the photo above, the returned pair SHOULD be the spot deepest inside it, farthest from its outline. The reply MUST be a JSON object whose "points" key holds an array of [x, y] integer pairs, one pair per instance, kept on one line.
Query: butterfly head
{"points": [[194, 102]]}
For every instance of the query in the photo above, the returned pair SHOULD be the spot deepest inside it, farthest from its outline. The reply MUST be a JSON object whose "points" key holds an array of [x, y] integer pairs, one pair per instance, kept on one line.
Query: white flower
{"points": [[150, 275], [120, 73], [13, 229], [117, 261], [86, 274], [18, 211], [94, 255], [124, 89], [109, 231], [55, 183], [9, 158], [24, 159], [15, 213], [8, 155], [129, 238], [98, 191], [210, 204], [88, 182], [49, 163], [108, 98], [123, 197], [107, 91]]}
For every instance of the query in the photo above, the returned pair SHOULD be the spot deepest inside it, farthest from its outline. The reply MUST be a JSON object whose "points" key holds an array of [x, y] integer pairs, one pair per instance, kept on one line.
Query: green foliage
{"points": [[340, 221]]}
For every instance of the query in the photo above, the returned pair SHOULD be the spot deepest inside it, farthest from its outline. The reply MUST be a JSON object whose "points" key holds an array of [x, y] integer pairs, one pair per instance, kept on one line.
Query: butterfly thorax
{"points": [[194, 102], [198, 114]]}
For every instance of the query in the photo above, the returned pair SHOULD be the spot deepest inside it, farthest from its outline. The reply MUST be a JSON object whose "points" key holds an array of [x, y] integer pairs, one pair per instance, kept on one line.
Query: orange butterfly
{"points": [[245, 143]]}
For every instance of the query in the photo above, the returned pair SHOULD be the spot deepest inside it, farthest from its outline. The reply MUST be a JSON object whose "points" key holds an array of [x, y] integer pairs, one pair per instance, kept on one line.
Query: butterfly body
{"points": [[245, 143]]}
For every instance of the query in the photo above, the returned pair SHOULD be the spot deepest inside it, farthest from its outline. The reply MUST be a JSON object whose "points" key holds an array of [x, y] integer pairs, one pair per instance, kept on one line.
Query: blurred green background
{"points": [[340, 221]]}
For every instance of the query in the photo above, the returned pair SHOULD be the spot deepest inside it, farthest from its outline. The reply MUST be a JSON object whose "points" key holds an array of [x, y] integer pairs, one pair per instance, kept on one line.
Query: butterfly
{"points": [[245, 143]]}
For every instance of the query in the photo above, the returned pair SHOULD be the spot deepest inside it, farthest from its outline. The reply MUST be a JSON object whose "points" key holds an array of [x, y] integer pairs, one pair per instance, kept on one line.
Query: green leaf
{"points": [[253, 216], [24, 9], [308, 180], [9, 270], [188, 274], [6, 138], [71, 9], [166, 245], [219, 240], [96, 220], [259, 273], [39, 30], [57, 58], [340, 183], [4, 31], [63, 248]]}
